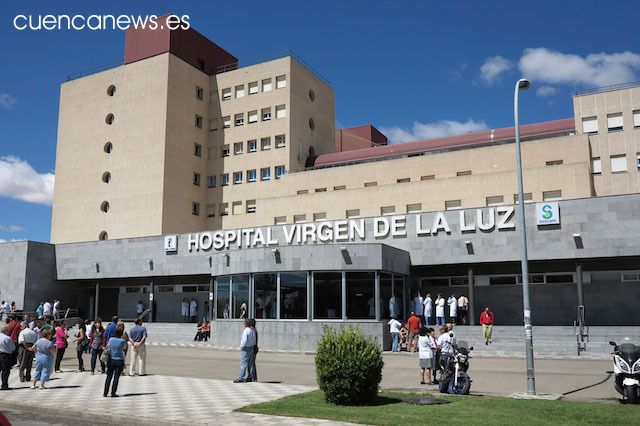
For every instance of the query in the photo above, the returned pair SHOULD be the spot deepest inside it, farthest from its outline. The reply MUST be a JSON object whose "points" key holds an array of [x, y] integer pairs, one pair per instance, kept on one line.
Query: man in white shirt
{"points": [[445, 340], [56, 309], [428, 309], [463, 306], [247, 346], [394, 329], [47, 309], [26, 339], [7, 349], [453, 308]]}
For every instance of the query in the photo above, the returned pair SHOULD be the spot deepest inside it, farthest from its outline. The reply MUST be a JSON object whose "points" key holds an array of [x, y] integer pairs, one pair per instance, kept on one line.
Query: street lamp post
{"points": [[524, 84]]}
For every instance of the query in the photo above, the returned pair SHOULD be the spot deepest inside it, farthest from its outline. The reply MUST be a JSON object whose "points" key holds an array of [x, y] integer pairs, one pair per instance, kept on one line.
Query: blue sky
{"points": [[416, 69]]}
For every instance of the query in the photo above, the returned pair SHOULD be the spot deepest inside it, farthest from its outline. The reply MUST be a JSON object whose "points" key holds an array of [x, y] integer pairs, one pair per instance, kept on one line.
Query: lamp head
{"points": [[524, 84]]}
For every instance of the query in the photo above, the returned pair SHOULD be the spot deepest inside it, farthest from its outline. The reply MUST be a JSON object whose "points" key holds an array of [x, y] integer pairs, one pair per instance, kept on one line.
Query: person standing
{"points": [[5, 310], [40, 310], [139, 308], [193, 309], [428, 309], [487, 319], [253, 375], [82, 342], [46, 309], [26, 339], [463, 307], [452, 301], [111, 328], [97, 342], [426, 354], [138, 339], [7, 350], [413, 325], [440, 309], [418, 305], [61, 345], [247, 346], [56, 309], [116, 347], [44, 349], [14, 332], [394, 330], [184, 309]]}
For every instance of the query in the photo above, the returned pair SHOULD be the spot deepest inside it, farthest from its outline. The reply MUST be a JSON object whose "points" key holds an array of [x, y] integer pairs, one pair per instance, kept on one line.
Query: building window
{"points": [[265, 143], [387, 210], [211, 181], [312, 124], [252, 145], [265, 295], [265, 173], [240, 91], [453, 205], [224, 209], [302, 191], [109, 119], [239, 119], [279, 220], [327, 293], [551, 195], [213, 124], [614, 122], [103, 236], [196, 179], [226, 122], [590, 125], [104, 206], [253, 116], [312, 95], [528, 197], [360, 295], [237, 178], [251, 206], [253, 87], [370, 184], [618, 163], [464, 173], [281, 111], [108, 147], [637, 160], [319, 216], [195, 208], [197, 150], [111, 90], [321, 190], [236, 207], [293, 295], [353, 213], [251, 175], [554, 163], [427, 177], [299, 218], [198, 121], [280, 141], [403, 180], [495, 200], [281, 82], [596, 166], [279, 171], [106, 177], [225, 179], [199, 93], [238, 148], [414, 208], [225, 152], [266, 114], [226, 94], [636, 118], [339, 187], [266, 85], [211, 210]]}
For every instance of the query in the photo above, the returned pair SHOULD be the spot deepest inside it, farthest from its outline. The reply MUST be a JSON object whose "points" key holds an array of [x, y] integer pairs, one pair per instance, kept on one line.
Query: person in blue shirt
{"points": [[116, 346], [111, 328]]}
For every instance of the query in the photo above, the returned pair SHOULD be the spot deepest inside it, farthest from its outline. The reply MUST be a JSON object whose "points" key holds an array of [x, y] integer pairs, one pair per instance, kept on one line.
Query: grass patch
{"points": [[390, 409]]}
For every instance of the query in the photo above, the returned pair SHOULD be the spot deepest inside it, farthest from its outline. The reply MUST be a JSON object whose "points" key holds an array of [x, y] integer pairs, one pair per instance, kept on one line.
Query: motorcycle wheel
{"points": [[631, 394], [463, 386], [443, 383]]}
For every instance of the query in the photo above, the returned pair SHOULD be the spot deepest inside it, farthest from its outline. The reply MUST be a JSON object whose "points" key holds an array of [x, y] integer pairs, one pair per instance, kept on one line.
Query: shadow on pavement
{"points": [[609, 374], [140, 394]]}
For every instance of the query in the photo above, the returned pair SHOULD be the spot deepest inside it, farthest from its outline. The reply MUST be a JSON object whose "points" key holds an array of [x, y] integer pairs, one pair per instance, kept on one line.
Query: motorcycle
{"points": [[453, 377], [626, 367]]}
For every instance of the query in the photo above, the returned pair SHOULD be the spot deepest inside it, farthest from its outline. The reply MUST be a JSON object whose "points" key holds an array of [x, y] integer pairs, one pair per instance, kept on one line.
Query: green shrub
{"points": [[348, 366]]}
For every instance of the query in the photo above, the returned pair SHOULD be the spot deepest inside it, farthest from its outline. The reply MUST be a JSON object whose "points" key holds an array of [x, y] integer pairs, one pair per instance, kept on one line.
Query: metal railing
{"points": [[609, 88], [94, 70]]}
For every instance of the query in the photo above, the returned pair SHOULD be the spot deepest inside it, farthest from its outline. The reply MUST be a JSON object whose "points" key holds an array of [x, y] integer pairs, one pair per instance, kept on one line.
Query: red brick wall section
{"points": [[358, 138]]}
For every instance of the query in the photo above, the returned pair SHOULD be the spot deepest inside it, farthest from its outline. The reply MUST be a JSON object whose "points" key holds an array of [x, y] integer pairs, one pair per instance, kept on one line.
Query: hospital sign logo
{"points": [[547, 214]]}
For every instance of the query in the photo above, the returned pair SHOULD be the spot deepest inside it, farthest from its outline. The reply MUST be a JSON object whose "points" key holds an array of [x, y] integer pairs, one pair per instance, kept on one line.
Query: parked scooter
{"points": [[453, 377], [626, 366]]}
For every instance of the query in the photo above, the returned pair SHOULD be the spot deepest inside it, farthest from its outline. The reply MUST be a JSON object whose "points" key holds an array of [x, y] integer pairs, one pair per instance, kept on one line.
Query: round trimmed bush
{"points": [[348, 366]]}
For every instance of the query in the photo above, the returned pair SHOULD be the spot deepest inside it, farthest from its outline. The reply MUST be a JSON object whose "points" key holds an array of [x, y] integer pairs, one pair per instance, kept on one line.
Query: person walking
{"points": [[487, 319], [253, 375], [440, 309], [463, 307], [452, 301], [413, 325], [115, 362], [97, 342], [426, 354], [61, 345], [5, 310], [184, 309], [247, 346], [7, 350], [138, 339], [82, 342], [87, 332], [394, 330], [14, 331], [428, 309], [46, 309], [193, 310], [26, 339], [40, 310], [44, 349]]}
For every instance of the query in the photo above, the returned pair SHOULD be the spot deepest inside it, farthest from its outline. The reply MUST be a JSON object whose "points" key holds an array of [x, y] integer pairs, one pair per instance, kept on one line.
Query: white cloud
{"points": [[420, 131], [11, 228], [544, 91], [7, 101], [20, 181], [599, 69], [493, 68]]}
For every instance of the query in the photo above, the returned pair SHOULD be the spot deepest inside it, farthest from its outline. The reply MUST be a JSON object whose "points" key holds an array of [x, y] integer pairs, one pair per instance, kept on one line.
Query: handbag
{"points": [[105, 356]]}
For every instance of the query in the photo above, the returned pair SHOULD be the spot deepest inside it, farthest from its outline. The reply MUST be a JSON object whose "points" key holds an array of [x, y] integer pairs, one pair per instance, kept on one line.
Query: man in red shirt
{"points": [[487, 320], [14, 331], [413, 324]]}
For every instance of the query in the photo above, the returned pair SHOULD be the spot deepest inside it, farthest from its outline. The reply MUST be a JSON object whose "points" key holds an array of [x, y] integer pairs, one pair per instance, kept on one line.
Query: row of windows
{"points": [[618, 164], [615, 122], [252, 88], [264, 114], [238, 177], [222, 209], [252, 145]]}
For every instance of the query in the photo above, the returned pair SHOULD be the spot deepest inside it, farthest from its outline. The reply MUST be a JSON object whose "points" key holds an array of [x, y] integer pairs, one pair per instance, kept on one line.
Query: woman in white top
{"points": [[426, 354], [440, 309], [394, 329], [453, 308]]}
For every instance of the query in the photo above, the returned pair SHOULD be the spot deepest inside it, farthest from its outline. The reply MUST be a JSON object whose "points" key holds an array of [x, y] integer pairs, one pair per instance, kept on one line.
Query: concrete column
{"points": [[377, 295], [151, 300], [472, 298], [344, 295], [251, 313], [97, 299], [278, 296], [211, 308], [580, 287]]}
